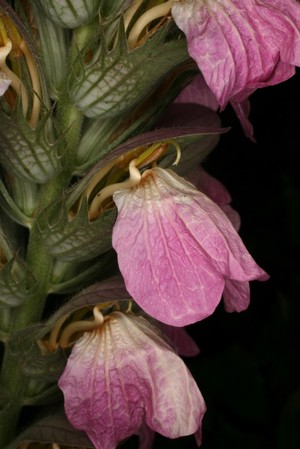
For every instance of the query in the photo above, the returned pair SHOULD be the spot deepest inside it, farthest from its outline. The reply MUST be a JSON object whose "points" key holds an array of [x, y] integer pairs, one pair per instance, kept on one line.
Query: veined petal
{"points": [[123, 375], [217, 192], [241, 45], [176, 247]]}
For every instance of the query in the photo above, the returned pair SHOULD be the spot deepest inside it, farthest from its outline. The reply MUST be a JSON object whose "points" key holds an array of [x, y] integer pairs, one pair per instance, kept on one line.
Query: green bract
{"points": [[70, 14], [116, 80]]}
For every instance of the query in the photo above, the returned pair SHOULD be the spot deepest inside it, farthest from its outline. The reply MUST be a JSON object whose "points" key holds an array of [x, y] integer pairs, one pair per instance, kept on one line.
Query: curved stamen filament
{"points": [[178, 152], [99, 175], [108, 191], [154, 13], [81, 326], [128, 15], [16, 83], [52, 342]]}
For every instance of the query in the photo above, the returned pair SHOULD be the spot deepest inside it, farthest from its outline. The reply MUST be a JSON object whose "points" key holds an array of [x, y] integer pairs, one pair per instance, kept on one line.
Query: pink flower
{"points": [[178, 251], [241, 45], [198, 92], [216, 191], [123, 379], [236, 294]]}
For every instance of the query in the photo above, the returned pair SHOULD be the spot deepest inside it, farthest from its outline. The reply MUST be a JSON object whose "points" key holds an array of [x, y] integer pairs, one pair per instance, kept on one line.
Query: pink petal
{"points": [[236, 295], [217, 192], [180, 340], [198, 92], [176, 247], [122, 376], [209, 185], [241, 45]]}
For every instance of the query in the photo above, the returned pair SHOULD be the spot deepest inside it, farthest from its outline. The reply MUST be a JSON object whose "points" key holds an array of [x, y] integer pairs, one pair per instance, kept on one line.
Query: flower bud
{"points": [[53, 43]]}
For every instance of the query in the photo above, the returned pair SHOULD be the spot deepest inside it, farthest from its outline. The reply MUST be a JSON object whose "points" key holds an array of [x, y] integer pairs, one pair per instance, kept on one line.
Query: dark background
{"points": [[248, 369]]}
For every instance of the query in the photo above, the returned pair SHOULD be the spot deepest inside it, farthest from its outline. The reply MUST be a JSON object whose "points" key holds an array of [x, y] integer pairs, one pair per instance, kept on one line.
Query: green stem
{"points": [[13, 382]]}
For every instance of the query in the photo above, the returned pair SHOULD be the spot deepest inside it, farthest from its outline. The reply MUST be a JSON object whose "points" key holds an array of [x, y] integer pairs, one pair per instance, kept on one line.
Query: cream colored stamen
{"points": [[128, 15], [108, 191], [81, 326], [152, 14]]}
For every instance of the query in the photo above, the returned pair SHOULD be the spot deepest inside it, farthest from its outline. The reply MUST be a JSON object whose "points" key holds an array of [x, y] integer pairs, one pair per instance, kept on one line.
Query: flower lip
{"points": [[177, 249], [122, 376]]}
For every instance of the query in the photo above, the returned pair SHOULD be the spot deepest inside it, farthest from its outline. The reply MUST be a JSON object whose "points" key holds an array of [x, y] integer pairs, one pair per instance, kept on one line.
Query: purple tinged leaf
{"points": [[122, 376], [241, 46], [176, 248]]}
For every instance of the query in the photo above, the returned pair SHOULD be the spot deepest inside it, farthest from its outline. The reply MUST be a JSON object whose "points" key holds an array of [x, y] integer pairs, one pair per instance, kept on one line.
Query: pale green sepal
{"points": [[25, 194], [12, 209], [54, 44], [70, 13], [78, 239], [28, 153], [16, 282], [117, 80]]}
